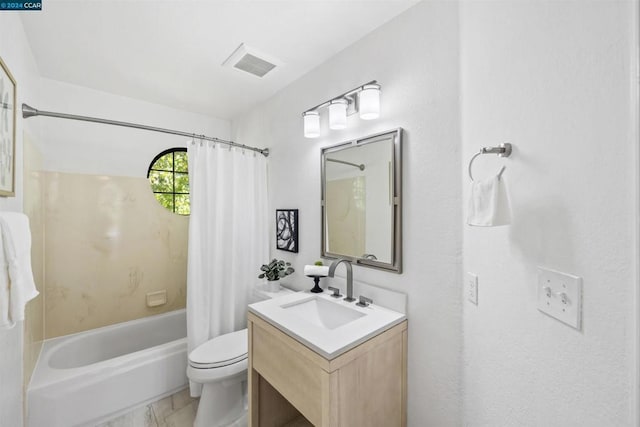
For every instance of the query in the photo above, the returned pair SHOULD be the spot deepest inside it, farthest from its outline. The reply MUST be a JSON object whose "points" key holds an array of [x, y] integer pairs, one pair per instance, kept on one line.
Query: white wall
{"points": [[415, 59], [16, 54], [90, 148], [554, 79]]}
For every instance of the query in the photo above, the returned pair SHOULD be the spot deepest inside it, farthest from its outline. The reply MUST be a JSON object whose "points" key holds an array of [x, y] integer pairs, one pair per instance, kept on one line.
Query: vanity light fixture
{"points": [[364, 99], [338, 114], [311, 124], [370, 102]]}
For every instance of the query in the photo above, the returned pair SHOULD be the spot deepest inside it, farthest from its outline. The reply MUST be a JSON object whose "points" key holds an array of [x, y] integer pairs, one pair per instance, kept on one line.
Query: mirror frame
{"points": [[395, 265]]}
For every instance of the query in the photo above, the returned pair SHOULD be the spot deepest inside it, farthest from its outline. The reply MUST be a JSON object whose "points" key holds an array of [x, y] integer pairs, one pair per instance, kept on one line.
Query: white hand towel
{"points": [[489, 203], [15, 268], [316, 270]]}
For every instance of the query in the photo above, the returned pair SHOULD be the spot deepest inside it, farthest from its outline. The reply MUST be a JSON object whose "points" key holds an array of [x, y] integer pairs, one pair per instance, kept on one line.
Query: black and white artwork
{"points": [[287, 230]]}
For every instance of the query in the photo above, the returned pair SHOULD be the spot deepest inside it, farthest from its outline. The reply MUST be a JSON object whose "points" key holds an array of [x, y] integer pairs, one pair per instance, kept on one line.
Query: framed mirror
{"points": [[361, 206]]}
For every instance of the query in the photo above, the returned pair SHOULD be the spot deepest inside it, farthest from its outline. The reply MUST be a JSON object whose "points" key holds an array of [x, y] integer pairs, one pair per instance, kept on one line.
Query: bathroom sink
{"points": [[327, 325], [322, 313]]}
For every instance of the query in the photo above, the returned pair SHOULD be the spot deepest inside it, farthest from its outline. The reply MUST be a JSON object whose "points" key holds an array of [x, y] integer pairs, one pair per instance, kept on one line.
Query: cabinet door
{"points": [[297, 378], [371, 387]]}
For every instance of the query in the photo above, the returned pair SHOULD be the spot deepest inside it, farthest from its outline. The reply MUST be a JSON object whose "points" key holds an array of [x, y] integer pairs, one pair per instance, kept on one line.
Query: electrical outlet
{"points": [[471, 288], [560, 296]]}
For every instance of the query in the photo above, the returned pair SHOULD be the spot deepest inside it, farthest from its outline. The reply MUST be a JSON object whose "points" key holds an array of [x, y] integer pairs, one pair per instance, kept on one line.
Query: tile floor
{"points": [[177, 410]]}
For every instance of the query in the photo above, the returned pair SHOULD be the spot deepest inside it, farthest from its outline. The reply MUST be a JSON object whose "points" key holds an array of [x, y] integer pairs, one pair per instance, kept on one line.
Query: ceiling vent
{"points": [[250, 61]]}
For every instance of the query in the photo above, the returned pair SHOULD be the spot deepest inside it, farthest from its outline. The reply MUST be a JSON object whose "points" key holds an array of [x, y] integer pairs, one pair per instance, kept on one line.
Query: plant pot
{"points": [[273, 285]]}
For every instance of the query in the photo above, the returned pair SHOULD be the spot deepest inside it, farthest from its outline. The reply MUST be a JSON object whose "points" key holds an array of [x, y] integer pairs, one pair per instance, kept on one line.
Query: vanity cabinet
{"points": [[292, 385]]}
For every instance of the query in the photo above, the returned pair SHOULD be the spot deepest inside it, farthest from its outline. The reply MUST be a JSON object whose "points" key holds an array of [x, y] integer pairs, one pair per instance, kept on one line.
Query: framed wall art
{"points": [[287, 230], [7, 131]]}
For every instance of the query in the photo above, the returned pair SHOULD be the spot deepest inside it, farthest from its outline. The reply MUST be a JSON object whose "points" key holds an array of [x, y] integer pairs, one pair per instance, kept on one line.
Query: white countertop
{"points": [[262, 291], [329, 343]]}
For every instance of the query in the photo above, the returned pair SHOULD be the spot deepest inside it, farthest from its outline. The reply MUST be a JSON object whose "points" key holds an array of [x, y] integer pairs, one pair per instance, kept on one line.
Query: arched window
{"points": [[169, 178]]}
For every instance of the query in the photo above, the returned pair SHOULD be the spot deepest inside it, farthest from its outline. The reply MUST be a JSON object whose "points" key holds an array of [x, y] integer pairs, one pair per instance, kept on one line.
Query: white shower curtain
{"points": [[228, 238]]}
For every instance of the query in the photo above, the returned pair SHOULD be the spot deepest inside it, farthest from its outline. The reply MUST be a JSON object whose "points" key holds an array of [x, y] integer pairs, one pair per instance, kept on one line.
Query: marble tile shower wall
{"points": [[33, 207], [108, 243]]}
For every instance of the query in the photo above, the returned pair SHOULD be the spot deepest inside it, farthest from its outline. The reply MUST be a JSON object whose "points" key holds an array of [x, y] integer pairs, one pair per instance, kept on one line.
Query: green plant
{"points": [[319, 263], [275, 270]]}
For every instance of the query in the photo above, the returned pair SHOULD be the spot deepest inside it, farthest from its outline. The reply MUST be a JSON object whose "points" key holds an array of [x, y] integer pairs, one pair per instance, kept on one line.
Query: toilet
{"points": [[220, 365]]}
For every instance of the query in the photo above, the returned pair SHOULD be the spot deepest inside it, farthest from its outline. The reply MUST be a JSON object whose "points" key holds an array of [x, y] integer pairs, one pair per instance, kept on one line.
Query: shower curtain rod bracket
{"points": [[28, 111]]}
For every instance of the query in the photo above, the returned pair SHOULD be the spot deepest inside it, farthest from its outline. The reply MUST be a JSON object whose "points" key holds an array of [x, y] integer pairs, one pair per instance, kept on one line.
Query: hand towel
{"points": [[17, 286], [316, 270], [489, 203]]}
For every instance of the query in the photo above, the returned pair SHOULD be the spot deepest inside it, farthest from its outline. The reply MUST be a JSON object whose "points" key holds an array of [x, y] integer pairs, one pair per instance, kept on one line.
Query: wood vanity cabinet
{"points": [[292, 385]]}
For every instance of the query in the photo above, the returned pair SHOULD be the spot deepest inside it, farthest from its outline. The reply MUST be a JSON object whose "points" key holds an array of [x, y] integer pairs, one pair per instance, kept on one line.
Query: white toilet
{"points": [[220, 365]]}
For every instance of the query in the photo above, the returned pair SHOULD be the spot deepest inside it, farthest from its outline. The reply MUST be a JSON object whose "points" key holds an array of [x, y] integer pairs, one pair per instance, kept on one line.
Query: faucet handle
{"points": [[364, 301], [336, 292]]}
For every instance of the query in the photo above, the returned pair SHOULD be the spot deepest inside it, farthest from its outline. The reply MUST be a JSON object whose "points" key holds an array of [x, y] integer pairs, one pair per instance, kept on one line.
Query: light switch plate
{"points": [[560, 296], [471, 288]]}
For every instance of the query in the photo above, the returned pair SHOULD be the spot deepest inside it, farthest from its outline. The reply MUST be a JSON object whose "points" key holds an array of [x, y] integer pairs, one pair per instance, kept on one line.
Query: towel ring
{"points": [[502, 150]]}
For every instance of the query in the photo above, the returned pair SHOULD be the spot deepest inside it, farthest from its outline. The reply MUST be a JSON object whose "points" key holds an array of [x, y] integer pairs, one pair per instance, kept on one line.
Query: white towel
{"points": [[316, 270], [17, 286], [489, 203]]}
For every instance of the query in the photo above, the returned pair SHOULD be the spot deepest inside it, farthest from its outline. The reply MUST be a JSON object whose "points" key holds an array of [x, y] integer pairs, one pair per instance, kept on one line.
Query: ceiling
{"points": [[170, 52]]}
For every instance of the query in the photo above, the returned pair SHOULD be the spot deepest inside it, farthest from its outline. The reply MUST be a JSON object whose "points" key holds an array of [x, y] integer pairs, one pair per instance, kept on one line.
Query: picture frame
{"points": [[287, 230], [8, 112]]}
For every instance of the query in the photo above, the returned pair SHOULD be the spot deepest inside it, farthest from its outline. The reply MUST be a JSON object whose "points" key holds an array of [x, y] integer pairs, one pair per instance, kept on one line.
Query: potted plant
{"points": [[274, 271]]}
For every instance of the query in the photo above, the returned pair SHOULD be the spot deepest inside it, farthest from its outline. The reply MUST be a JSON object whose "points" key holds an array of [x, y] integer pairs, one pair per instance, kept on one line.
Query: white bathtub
{"points": [[90, 377]]}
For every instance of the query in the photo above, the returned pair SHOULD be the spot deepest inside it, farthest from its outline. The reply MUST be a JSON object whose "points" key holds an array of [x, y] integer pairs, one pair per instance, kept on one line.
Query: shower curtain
{"points": [[228, 238]]}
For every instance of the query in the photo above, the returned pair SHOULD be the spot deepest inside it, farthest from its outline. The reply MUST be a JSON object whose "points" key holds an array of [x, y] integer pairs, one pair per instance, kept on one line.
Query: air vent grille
{"points": [[251, 61], [254, 65]]}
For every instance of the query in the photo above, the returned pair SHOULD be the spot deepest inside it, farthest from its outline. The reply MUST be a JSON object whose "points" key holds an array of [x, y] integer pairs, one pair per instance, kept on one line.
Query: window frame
{"points": [[173, 172]]}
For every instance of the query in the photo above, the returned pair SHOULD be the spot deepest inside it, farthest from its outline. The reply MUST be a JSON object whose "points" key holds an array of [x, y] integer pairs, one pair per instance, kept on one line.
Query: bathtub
{"points": [[87, 378]]}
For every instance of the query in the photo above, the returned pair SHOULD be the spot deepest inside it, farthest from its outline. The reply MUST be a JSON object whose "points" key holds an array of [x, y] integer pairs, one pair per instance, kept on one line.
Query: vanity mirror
{"points": [[361, 201]]}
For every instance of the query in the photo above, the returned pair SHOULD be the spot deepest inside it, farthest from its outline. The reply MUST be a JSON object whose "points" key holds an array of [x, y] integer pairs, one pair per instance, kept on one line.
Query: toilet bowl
{"points": [[220, 365]]}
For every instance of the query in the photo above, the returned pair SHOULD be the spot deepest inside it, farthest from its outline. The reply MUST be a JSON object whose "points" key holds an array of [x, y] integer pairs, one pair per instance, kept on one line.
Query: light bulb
{"points": [[311, 124], [370, 102], [338, 114]]}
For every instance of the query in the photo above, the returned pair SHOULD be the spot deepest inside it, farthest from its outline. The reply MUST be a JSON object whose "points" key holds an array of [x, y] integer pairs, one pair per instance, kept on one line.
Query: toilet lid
{"points": [[220, 351]]}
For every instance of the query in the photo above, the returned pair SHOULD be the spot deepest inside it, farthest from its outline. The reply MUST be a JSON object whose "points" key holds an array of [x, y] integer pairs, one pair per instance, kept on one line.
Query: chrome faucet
{"points": [[347, 264]]}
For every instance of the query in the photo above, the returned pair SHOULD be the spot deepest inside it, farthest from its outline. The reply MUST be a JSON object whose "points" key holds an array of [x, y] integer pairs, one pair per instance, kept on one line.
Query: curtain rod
{"points": [[361, 167], [28, 111]]}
